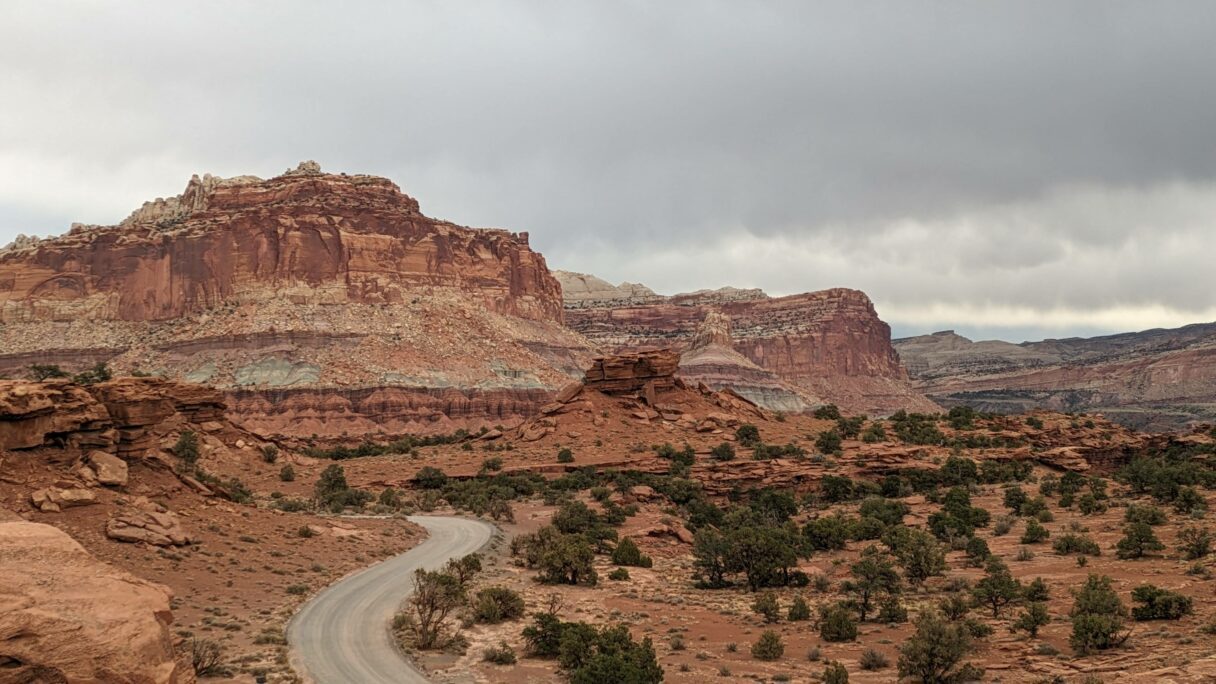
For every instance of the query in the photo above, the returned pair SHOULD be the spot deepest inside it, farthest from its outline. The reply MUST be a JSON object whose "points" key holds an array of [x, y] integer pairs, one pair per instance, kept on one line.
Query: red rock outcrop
{"points": [[830, 344], [632, 373], [67, 617], [331, 283]]}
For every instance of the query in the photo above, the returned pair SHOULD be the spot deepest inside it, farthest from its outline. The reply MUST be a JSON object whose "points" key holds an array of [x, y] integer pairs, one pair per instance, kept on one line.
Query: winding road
{"points": [[341, 636]]}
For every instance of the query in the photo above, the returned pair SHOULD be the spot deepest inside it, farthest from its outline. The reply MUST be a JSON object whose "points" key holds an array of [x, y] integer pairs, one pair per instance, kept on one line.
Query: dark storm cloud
{"points": [[1022, 164]]}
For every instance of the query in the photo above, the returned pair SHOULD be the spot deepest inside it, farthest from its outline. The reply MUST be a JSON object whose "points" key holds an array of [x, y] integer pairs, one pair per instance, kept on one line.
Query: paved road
{"points": [[342, 636]]}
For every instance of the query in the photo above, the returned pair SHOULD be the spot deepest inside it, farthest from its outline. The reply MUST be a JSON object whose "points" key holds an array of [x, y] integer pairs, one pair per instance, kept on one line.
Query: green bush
{"points": [[1035, 532], [287, 473], [873, 660], [837, 624], [1076, 543], [619, 575], [186, 447], [502, 654], [835, 673], [1194, 542], [748, 435], [799, 610], [497, 604], [829, 442], [1159, 604], [1138, 539], [628, 553], [723, 452], [827, 412], [768, 646], [1097, 616], [1149, 515], [565, 455]]}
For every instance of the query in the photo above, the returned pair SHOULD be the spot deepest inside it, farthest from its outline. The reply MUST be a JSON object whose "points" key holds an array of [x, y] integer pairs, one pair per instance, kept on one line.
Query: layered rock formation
{"points": [[823, 346], [325, 284], [67, 617], [1158, 379], [711, 359]]}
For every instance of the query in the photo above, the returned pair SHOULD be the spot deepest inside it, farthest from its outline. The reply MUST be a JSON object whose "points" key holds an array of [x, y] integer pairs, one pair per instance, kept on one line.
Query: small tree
{"points": [[1032, 618], [206, 657], [836, 624], [934, 653], [799, 610], [977, 552], [287, 473], [1015, 498], [873, 577], [920, 555], [497, 604], [568, 560], [1036, 591], [768, 646], [565, 455], [628, 553], [998, 588], [270, 453], [42, 372], [1097, 616], [1194, 542], [1035, 532], [436, 595], [767, 607], [1138, 539]]}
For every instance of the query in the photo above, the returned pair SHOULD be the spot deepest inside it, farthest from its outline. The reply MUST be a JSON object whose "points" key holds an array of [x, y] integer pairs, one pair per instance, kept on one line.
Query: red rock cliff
{"points": [[830, 343], [307, 235], [312, 291]]}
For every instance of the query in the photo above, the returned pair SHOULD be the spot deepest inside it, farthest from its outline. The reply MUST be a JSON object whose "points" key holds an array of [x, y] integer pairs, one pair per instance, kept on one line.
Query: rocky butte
{"points": [[324, 302], [784, 353]]}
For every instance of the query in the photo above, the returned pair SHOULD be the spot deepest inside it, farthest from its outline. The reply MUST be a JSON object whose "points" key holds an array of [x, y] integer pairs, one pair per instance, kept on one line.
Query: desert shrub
{"points": [[1097, 616], [270, 453], [766, 606], [565, 455], [287, 473], [1194, 542], [748, 435], [873, 578], [497, 604], [1189, 501], [835, 673], [430, 477], [934, 653], [186, 447], [961, 417], [837, 624], [1159, 604], [1032, 618], [1035, 532], [891, 611], [628, 553], [874, 433], [887, 511], [827, 412], [997, 588], [1149, 515], [850, 428], [568, 559], [827, 532], [977, 552], [920, 555], [331, 490], [768, 646], [1036, 591], [206, 657], [836, 488], [46, 371], [916, 428], [591, 655], [1138, 539], [954, 606], [828, 442], [502, 654], [723, 452], [873, 660], [619, 575], [799, 610], [1015, 498], [1076, 543], [98, 373]]}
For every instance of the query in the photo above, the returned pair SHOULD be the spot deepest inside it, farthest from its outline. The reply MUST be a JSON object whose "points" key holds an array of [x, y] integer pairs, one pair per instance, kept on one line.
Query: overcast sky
{"points": [[1015, 170]]}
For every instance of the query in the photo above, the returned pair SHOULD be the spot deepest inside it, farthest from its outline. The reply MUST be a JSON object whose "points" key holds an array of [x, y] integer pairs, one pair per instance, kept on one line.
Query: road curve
{"points": [[341, 636]]}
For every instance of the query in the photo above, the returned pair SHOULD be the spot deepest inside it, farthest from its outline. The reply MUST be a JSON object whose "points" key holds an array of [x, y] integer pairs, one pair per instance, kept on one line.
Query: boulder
{"points": [[149, 523], [107, 468], [67, 617], [54, 499]]}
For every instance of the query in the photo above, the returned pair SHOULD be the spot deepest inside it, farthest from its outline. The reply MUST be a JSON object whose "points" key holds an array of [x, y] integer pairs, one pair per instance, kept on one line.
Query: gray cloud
{"points": [[1039, 167]]}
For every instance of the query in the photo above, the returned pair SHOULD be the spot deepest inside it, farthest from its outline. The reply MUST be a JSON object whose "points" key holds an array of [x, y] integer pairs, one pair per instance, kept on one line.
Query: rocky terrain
{"points": [[1156, 379], [126, 554], [320, 301], [785, 352]]}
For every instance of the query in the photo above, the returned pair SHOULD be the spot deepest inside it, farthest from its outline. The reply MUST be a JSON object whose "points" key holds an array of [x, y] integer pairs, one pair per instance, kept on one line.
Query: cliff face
{"points": [[330, 286], [827, 345], [311, 237], [1161, 379]]}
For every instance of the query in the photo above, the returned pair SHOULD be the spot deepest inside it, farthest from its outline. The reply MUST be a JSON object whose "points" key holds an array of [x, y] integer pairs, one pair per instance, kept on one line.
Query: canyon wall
{"points": [[312, 290], [827, 346], [1156, 379]]}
